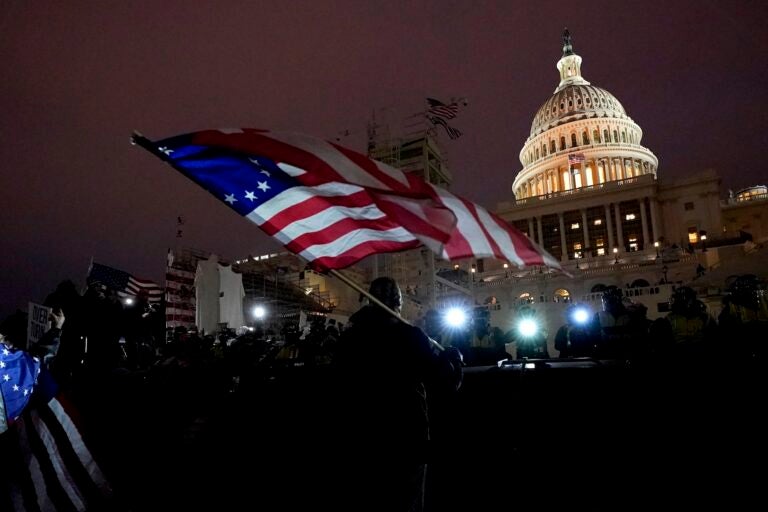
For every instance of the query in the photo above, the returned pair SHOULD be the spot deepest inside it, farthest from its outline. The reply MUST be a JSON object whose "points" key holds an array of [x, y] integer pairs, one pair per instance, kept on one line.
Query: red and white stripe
{"points": [[351, 206], [151, 290], [179, 297]]}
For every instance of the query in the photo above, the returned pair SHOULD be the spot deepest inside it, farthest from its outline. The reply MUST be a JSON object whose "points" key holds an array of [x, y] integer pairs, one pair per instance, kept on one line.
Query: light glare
{"points": [[455, 317], [528, 327], [581, 315]]}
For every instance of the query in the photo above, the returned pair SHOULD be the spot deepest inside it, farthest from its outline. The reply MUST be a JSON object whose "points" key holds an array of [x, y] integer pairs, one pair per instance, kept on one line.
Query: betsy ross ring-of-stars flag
{"points": [[334, 206]]}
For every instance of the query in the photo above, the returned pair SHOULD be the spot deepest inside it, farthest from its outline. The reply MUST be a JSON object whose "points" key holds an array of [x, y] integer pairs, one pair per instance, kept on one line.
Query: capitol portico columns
{"points": [[619, 230], [609, 226], [531, 233], [563, 248], [586, 229], [541, 231], [644, 224], [654, 225]]}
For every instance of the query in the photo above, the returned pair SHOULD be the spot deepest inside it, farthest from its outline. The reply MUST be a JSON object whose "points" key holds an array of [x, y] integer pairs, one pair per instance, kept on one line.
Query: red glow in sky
{"points": [[79, 77]]}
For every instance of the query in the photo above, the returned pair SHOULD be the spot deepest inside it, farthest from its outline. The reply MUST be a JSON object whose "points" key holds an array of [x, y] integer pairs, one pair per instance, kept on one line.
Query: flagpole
{"points": [[87, 274], [376, 301]]}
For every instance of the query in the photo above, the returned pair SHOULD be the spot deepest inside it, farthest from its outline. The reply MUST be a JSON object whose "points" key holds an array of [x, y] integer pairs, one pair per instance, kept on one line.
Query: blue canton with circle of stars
{"points": [[240, 180], [18, 374]]}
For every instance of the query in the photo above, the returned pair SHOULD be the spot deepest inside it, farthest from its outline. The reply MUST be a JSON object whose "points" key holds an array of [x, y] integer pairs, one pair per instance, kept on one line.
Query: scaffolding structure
{"points": [[417, 153]]}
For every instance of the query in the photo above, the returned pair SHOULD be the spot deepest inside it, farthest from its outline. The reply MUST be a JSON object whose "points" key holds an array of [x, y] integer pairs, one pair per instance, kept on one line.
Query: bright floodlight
{"points": [[581, 315], [259, 312], [455, 317], [128, 301], [528, 327]]}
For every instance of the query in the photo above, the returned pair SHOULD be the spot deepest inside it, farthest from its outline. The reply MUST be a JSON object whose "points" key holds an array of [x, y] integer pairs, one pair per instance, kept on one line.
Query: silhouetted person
{"points": [[621, 329], [47, 347], [684, 332], [388, 368], [576, 337], [744, 319], [529, 336]]}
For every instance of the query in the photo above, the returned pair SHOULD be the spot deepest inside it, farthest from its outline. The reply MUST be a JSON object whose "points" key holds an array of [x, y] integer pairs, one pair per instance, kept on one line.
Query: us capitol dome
{"points": [[580, 137]]}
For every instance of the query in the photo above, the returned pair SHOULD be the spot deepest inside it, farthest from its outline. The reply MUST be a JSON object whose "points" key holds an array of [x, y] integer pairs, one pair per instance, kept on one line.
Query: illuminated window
{"points": [[575, 225], [601, 251], [598, 222], [630, 216], [633, 246], [693, 235], [633, 239], [577, 246], [599, 242], [577, 255], [561, 295]]}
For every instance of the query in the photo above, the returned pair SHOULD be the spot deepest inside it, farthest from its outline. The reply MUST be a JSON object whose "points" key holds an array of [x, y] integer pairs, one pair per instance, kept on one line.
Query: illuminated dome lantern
{"points": [[587, 124]]}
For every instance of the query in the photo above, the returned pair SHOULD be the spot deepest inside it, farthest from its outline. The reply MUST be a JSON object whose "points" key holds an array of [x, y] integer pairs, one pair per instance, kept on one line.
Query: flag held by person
{"points": [[334, 206], [124, 283]]}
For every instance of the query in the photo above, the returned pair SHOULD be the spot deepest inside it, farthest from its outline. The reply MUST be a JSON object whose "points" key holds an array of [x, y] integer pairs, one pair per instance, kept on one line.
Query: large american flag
{"points": [[575, 158], [334, 206], [124, 283]]}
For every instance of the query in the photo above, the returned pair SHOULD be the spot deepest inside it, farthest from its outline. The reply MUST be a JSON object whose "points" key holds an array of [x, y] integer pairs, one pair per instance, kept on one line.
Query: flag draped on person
{"points": [[124, 283], [18, 375], [44, 461], [334, 206]]}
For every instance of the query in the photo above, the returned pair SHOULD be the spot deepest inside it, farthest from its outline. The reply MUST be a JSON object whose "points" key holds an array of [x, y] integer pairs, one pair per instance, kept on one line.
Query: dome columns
{"points": [[594, 171]]}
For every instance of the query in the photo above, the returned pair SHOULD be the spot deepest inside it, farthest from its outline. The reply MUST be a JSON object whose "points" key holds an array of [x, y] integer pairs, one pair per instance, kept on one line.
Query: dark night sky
{"points": [[79, 77]]}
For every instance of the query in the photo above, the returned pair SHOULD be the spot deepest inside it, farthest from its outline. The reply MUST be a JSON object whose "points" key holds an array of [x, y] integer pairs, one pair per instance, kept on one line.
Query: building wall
{"points": [[750, 216], [690, 204]]}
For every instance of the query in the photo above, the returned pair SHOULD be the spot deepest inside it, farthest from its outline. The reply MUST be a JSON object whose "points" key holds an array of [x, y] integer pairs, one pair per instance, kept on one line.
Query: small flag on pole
{"points": [[439, 109], [452, 132], [575, 158]]}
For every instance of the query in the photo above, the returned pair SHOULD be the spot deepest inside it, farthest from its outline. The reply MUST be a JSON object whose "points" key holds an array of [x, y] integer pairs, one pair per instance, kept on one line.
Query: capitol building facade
{"points": [[595, 198], [592, 195]]}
